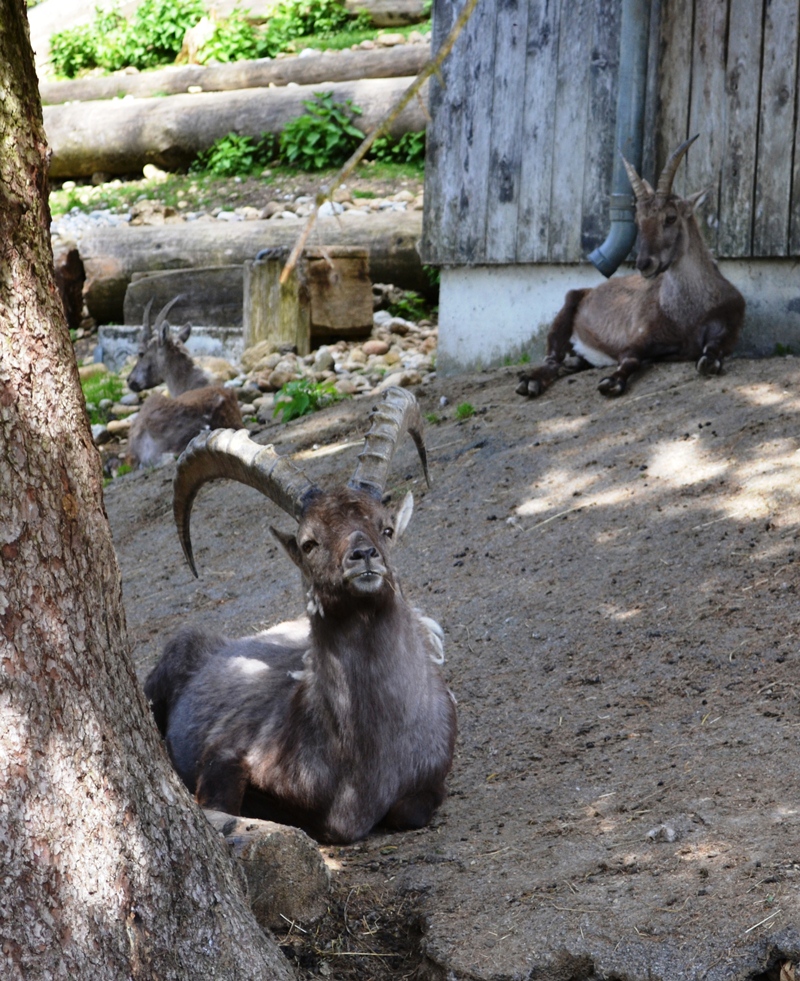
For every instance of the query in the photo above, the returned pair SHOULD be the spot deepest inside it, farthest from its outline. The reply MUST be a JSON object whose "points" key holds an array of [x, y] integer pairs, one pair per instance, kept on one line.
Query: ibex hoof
{"points": [[529, 387], [708, 365], [611, 386]]}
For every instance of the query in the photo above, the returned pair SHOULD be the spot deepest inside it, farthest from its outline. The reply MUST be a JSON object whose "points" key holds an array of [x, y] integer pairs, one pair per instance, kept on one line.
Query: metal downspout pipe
{"points": [[629, 133]]}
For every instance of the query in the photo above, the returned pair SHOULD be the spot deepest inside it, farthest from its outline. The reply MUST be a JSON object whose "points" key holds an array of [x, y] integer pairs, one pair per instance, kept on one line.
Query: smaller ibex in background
{"points": [[337, 722], [681, 308], [166, 425]]}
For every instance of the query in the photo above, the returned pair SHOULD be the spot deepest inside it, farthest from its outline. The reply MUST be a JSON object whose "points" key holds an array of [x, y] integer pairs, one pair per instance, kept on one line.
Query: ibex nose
{"points": [[363, 552]]}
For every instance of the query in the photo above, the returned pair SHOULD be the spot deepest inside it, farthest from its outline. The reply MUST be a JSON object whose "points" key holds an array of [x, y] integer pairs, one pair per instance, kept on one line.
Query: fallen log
{"points": [[111, 255], [121, 136], [390, 13], [328, 66]]}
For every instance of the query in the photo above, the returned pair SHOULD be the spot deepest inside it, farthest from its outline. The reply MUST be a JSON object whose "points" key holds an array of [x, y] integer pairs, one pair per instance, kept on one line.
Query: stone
{"points": [[323, 361], [403, 379], [390, 40], [252, 356], [119, 427], [375, 347], [220, 369]]}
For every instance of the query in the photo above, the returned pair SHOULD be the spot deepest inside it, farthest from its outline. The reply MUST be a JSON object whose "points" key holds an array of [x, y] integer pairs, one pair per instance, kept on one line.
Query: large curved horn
{"points": [[641, 188], [162, 313], [146, 333], [395, 414], [664, 188], [233, 455]]}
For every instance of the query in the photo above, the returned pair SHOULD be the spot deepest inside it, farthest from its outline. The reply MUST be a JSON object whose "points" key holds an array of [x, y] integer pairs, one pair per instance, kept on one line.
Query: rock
{"points": [[323, 360], [119, 427], [375, 347], [390, 40], [253, 356], [271, 208], [404, 379], [220, 369], [287, 878], [100, 433], [347, 385]]}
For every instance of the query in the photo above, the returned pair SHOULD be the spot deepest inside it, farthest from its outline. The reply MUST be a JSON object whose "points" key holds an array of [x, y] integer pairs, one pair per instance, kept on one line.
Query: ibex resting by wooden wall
{"points": [[680, 308]]}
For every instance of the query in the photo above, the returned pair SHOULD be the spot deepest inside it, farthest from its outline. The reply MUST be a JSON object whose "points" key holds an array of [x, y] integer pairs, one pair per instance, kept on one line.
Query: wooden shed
{"points": [[522, 145]]}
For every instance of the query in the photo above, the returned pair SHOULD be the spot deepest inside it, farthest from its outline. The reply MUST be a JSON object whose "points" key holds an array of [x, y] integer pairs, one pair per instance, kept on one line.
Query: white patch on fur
{"points": [[249, 665], [314, 606], [435, 636], [595, 358], [289, 632]]}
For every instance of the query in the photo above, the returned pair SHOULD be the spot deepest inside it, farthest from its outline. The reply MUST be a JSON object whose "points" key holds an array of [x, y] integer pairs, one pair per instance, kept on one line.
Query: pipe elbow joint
{"points": [[608, 256]]}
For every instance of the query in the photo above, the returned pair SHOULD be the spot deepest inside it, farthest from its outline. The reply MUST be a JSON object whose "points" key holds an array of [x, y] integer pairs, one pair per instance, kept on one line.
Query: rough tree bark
{"points": [[108, 870]]}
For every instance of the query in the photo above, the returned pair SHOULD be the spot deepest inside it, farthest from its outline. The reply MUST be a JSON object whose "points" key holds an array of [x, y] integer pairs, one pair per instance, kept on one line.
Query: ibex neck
{"points": [[182, 375], [693, 282]]}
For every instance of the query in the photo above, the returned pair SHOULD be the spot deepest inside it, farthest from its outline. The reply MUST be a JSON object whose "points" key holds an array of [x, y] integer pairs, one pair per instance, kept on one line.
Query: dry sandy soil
{"points": [[617, 581]]}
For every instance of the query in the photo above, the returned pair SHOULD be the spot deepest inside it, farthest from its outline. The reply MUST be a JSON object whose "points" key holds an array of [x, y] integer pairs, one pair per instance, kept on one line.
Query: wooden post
{"points": [[280, 314], [328, 294]]}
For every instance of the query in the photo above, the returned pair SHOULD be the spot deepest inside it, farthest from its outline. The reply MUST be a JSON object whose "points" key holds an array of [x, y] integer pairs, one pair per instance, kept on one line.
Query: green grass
{"points": [[464, 411], [97, 388]]}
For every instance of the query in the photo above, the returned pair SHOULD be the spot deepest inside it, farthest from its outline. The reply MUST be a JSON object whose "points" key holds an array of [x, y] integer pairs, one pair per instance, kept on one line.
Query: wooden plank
{"points": [[743, 78], [506, 147], [794, 211], [476, 135], [707, 114], [600, 143], [572, 115], [538, 131], [675, 73], [776, 131], [442, 156]]}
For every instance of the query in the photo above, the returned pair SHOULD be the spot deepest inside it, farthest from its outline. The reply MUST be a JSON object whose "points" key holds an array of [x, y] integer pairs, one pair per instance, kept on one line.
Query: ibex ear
{"points": [[289, 543], [698, 199], [404, 513], [163, 333], [184, 332]]}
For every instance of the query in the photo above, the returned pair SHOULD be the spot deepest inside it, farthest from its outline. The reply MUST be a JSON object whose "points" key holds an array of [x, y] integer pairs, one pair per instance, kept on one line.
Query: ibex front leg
{"points": [[535, 380], [716, 344], [617, 382]]}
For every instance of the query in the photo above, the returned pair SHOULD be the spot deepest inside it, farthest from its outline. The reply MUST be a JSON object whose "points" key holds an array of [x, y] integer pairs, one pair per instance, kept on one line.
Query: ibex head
{"points": [[344, 536], [153, 352], [662, 217]]}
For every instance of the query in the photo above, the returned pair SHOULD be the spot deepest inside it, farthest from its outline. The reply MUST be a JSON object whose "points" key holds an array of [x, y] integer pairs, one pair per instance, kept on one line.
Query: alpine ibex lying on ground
{"points": [[337, 722], [680, 308], [166, 425]]}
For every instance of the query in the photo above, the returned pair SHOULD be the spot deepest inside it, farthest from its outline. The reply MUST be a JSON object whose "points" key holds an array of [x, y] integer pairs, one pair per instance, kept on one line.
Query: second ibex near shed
{"points": [[166, 425], [337, 722], [680, 308]]}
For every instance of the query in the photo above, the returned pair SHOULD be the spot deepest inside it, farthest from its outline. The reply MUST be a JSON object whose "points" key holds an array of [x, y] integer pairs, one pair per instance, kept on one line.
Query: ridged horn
{"points": [[641, 188], [162, 313], [231, 454], [396, 414], [664, 188], [146, 332]]}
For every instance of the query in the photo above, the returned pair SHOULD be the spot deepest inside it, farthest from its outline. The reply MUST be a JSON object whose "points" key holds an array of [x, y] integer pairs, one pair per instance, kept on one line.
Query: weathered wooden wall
{"points": [[522, 139]]}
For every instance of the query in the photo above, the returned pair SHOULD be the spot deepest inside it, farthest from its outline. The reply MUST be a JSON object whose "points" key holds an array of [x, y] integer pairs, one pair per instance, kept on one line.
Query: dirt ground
{"points": [[617, 581]]}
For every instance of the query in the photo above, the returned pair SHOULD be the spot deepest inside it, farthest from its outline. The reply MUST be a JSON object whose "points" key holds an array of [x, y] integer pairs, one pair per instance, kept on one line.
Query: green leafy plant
{"points": [[235, 154], [235, 38], [323, 137], [410, 306], [433, 418], [294, 19], [303, 396], [96, 389], [464, 411], [782, 350], [153, 36], [408, 148]]}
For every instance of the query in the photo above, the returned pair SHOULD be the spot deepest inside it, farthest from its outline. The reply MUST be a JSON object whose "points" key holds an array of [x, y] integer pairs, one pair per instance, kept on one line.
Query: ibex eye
{"points": [[309, 546], [670, 219], [388, 532]]}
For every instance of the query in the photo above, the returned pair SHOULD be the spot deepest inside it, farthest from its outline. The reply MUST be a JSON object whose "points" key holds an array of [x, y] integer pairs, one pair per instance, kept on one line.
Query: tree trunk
{"points": [[112, 255], [329, 66], [109, 870], [121, 136]]}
